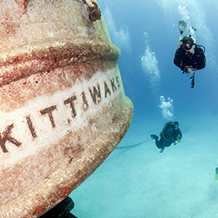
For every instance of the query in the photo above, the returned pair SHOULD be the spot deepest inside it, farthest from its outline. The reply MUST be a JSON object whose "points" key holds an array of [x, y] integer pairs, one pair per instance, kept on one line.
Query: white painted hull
{"points": [[62, 104]]}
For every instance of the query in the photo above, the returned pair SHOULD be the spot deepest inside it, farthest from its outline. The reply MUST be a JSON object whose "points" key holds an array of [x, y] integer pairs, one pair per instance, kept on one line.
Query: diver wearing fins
{"points": [[189, 56], [171, 133]]}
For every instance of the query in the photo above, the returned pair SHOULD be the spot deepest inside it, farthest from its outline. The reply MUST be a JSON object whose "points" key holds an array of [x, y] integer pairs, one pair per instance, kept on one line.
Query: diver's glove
{"points": [[176, 141], [188, 69], [191, 70]]}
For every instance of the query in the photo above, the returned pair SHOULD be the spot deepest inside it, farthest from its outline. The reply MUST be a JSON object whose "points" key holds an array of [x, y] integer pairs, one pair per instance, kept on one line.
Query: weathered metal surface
{"points": [[62, 104]]}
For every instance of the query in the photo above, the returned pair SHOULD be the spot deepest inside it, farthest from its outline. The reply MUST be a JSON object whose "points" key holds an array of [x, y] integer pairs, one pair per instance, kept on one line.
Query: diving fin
{"points": [[161, 150], [191, 28], [182, 26], [153, 136]]}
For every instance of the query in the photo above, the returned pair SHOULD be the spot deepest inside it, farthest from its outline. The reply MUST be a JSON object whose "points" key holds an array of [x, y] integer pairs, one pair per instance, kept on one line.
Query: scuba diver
{"points": [[171, 133], [189, 56]]}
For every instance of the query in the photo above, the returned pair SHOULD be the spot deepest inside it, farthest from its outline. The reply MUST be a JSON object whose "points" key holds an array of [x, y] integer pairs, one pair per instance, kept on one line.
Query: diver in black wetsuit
{"points": [[189, 56], [187, 61], [171, 133]]}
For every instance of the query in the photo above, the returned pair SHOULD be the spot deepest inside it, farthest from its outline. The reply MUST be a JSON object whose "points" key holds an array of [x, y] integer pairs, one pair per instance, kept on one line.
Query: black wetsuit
{"points": [[183, 58], [168, 136]]}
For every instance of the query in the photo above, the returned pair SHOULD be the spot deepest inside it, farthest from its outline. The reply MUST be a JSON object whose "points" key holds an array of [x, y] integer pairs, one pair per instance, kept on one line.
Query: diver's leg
{"points": [[192, 33], [180, 37], [161, 150], [159, 143], [167, 144], [155, 137]]}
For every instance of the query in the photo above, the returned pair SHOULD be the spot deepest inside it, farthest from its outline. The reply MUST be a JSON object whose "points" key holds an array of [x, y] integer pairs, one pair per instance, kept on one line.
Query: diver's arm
{"points": [[177, 59], [200, 60], [180, 137], [188, 69]]}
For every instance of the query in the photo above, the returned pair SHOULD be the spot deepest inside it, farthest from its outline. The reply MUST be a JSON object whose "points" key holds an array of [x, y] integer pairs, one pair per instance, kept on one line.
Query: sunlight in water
{"points": [[120, 37], [149, 65]]}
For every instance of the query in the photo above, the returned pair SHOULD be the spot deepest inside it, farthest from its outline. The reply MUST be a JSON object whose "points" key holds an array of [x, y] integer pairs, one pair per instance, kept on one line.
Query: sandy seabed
{"points": [[138, 181]]}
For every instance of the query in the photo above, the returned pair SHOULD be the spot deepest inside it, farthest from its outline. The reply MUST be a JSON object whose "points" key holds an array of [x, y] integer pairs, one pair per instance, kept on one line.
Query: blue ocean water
{"points": [[136, 180]]}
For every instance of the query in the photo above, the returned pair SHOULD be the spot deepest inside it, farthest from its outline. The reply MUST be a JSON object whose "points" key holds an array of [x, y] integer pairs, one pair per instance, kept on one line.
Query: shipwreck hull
{"points": [[62, 104]]}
